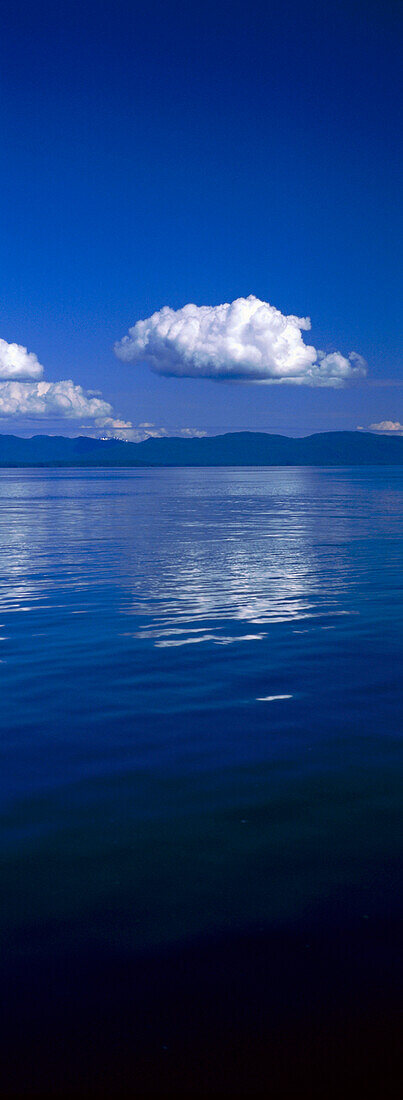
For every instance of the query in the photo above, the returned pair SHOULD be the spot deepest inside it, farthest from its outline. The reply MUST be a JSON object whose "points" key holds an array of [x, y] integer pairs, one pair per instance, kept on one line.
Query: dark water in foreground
{"points": [[201, 715]]}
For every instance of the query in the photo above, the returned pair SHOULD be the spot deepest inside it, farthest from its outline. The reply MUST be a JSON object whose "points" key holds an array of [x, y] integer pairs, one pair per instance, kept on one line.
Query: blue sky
{"points": [[163, 154]]}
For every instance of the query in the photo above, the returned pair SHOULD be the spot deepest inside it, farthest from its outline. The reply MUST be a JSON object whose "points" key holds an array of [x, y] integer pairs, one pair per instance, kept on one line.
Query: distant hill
{"points": [[232, 449]]}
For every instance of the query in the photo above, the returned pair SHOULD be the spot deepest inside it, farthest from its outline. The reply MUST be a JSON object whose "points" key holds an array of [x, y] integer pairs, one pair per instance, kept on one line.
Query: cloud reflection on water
{"points": [[195, 551]]}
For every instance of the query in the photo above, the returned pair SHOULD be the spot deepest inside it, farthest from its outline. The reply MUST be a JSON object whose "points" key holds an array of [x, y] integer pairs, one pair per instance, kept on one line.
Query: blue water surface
{"points": [[201, 715]]}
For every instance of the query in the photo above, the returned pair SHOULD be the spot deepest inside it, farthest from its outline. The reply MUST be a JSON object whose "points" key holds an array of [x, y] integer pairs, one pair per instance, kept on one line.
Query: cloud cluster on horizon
{"points": [[387, 426], [125, 430], [246, 341]]}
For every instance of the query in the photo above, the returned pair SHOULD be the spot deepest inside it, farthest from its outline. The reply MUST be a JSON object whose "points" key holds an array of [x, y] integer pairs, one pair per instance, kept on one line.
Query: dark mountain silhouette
{"points": [[232, 449]]}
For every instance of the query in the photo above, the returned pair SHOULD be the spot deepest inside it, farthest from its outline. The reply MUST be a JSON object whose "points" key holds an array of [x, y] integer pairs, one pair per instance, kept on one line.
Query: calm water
{"points": [[201, 717]]}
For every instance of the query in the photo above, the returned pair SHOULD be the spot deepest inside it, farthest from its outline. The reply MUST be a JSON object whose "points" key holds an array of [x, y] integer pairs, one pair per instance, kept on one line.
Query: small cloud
{"points": [[113, 428], [17, 362], [191, 433], [387, 427], [246, 341], [131, 433]]}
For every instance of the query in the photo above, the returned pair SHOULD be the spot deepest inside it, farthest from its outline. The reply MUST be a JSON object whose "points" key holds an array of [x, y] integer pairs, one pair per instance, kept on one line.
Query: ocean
{"points": [[201, 720]]}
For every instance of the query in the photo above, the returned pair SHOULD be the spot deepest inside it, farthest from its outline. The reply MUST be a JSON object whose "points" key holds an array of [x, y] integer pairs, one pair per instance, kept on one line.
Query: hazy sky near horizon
{"points": [[165, 154]]}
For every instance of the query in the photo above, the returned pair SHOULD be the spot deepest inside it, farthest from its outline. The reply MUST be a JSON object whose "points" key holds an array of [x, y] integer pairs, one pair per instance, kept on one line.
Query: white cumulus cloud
{"points": [[387, 426], [17, 362], [51, 400], [247, 340]]}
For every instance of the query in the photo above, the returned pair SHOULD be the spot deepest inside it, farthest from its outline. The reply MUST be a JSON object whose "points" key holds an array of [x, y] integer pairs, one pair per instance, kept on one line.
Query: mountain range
{"points": [[231, 449]]}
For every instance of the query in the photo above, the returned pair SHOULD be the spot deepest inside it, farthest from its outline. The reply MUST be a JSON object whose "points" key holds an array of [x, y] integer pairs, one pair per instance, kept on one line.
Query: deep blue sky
{"points": [[165, 153]]}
